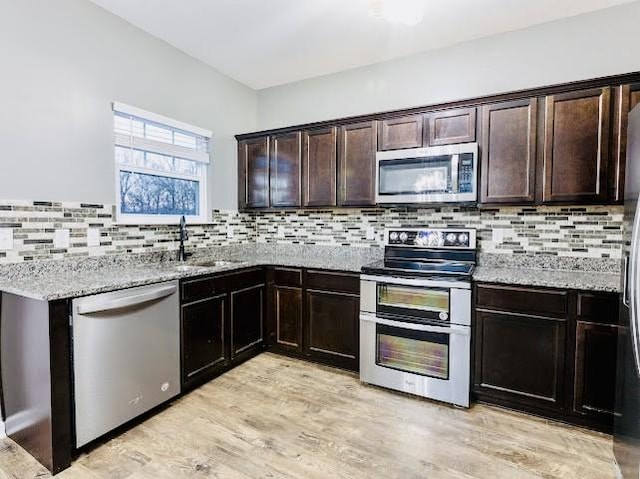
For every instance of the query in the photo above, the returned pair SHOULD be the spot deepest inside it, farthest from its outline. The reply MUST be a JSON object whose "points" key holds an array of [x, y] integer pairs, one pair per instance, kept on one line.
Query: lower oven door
{"points": [[422, 359]]}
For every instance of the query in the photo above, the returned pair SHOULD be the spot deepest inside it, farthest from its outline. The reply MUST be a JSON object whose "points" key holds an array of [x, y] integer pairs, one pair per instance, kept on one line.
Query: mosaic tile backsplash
{"points": [[579, 232]]}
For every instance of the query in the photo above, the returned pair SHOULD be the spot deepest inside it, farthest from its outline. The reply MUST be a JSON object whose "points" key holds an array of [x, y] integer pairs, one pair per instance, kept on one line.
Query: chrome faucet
{"points": [[184, 236]]}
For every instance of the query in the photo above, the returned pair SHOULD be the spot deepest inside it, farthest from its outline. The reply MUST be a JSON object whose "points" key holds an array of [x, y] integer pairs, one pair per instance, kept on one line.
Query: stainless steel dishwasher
{"points": [[126, 356]]}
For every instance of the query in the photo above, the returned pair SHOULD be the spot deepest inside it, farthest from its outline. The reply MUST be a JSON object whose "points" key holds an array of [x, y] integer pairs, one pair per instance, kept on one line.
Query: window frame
{"points": [[160, 219]]}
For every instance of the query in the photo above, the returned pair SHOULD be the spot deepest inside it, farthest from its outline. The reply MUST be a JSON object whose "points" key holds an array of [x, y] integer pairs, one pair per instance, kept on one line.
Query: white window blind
{"points": [[161, 167]]}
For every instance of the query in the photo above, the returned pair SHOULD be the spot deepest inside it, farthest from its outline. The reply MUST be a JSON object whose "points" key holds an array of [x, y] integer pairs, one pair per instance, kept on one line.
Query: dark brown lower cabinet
{"points": [[594, 385], [521, 359], [288, 318], [315, 315], [247, 318], [332, 328], [203, 344], [555, 364], [222, 323]]}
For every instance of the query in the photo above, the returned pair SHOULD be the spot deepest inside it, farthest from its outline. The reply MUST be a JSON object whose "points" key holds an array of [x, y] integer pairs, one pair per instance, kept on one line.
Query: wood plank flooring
{"points": [[275, 417]]}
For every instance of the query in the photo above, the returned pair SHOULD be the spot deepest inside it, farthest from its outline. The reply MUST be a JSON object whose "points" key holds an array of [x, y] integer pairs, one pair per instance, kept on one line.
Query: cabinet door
{"points": [[357, 158], [203, 342], [520, 359], [319, 167], [288, 318], [595, 370], [253, 173], [576, 149], [508, 151], [332, 328], [399, 133], [247, 320], [448, 127], [627, 98], [284, 170]]}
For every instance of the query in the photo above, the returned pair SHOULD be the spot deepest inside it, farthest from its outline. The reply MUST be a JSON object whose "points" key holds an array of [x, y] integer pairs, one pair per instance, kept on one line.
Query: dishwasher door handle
{"points": [[101, 305]]}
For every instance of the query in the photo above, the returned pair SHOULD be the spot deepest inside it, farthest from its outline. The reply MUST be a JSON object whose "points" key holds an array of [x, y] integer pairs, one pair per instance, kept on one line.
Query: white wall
{"points": [[587, 46], [62, 64]]}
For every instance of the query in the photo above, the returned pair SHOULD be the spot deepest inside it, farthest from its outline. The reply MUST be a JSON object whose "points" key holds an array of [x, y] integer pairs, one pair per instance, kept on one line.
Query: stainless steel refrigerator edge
{"points": [[626, 443]]}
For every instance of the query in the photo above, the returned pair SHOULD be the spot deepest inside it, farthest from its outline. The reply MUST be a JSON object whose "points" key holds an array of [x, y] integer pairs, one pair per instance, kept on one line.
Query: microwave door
{"points": [[415, 176]]}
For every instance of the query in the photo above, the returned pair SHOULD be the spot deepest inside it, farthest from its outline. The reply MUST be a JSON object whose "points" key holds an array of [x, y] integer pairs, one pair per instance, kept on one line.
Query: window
{"points": [[161, 168]]}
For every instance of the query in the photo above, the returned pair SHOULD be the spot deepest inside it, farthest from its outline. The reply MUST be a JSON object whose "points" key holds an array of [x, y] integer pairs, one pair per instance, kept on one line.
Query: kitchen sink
{"points": [[186, 267], [214, 263]]}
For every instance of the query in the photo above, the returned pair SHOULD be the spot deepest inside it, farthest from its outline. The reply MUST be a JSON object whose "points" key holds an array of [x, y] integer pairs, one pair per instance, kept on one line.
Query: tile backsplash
{"points": [[34, 225], [581, 232]]}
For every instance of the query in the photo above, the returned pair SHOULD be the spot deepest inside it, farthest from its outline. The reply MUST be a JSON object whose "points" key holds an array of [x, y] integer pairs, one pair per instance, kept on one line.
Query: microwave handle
{"points": [[455, 161]]}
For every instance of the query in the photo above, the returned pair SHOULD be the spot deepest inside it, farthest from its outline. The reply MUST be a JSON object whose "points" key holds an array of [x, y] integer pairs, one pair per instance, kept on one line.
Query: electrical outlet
{"points": [[93, 237], [61, 238], [280, 231], [497, 235], [6, 238], [370, 233], [230, 231]]}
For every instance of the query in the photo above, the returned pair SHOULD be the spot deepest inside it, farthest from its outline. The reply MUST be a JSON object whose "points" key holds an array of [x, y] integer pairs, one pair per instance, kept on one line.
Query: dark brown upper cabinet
{"points": [[399, 133], [253, 173], [319, 163], [576, 146], [508, 149], [356, 164], [285, 171], [627, 97], [448, 127]]}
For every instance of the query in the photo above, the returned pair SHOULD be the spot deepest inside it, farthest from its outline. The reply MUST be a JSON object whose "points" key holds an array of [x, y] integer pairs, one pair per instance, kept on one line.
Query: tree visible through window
{"points": [[161, 169]]}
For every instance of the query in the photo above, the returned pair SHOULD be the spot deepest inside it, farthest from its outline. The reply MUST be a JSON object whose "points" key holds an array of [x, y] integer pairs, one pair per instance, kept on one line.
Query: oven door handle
{"points": [[451, 329]]}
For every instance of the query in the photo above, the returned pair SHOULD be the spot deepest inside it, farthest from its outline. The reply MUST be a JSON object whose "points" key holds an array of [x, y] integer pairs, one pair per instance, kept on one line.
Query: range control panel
{"points": [[432, 238]]}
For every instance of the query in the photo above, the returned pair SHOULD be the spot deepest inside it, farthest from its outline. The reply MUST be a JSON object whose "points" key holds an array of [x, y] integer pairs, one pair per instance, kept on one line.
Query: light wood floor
{"points": [[275, 417]]}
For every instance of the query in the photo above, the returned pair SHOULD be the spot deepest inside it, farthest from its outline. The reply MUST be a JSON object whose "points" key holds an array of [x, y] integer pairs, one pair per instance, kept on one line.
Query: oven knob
{"points": [[463, 238], [403, 236], [451, 238], [393, 236]]}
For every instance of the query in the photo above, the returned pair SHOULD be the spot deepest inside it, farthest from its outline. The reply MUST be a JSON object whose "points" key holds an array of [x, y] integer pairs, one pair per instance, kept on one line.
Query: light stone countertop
{"points": [[53, 280], [563, 279]]}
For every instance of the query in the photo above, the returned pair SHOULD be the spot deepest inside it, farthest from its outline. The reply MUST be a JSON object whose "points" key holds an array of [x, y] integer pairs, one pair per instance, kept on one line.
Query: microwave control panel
{"points": [[466, 173]]}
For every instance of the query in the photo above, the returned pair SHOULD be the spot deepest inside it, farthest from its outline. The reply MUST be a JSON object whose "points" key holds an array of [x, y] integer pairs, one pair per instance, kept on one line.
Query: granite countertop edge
{"points": [[48, 287], [561, 279]]}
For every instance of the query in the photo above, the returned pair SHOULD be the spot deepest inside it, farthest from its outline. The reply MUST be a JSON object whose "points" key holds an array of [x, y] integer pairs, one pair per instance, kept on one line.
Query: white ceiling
{"points": [[263, 43]]}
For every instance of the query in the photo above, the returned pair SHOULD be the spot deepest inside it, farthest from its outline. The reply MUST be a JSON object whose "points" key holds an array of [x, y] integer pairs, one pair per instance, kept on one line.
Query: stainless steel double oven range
{"points": [[415, 314]]}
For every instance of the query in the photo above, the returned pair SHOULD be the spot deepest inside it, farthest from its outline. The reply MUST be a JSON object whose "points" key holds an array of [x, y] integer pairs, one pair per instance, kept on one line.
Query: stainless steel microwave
{"points": [[437, 174]]}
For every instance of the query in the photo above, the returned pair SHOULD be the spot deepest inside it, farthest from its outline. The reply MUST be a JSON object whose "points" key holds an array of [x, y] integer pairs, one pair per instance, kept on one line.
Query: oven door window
{"points": [[415, 176], [412, 301], [417, 352]]}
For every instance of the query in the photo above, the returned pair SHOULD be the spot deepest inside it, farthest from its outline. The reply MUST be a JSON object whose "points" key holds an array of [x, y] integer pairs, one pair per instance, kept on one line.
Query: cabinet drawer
{"points": [[541, 302], [598, 307], [238, 280], [287, 276], [333, 281], [195, 289]]}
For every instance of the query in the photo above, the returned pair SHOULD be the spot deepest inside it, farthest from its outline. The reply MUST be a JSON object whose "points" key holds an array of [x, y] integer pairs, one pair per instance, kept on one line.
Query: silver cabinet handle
{"points": [[101, 305]]}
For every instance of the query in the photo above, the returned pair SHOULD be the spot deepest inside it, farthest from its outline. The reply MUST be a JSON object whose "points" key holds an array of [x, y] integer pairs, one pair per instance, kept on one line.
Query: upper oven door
{"points": [[439, 174], [413, 302]]}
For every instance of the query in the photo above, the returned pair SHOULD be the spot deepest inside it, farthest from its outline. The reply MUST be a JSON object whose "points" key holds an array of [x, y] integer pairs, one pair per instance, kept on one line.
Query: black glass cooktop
{"points": [[420, 267]]}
